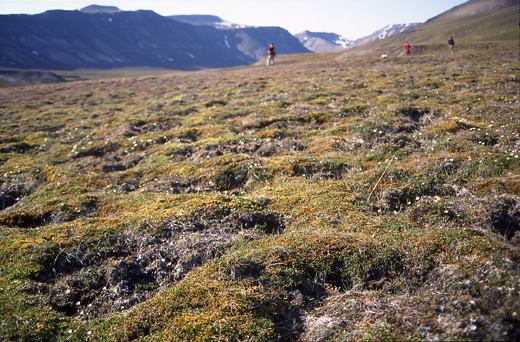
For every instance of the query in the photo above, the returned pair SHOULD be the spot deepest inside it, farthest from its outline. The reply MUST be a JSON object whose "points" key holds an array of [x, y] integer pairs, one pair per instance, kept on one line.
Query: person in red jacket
{"points": [[270, 55], [407, 48]]}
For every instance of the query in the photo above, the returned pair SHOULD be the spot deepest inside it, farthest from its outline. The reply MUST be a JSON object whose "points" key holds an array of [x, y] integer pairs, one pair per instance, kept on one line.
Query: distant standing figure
{"points": [[451, 44], [407, 48], [270, 55]]}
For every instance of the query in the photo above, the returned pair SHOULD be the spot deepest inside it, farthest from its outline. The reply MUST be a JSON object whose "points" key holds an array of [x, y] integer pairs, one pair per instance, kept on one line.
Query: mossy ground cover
{"points": [[316, 200]]}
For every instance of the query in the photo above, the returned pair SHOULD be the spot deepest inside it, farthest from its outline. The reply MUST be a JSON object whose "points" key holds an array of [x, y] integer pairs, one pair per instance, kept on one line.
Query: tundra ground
{"points": [[320, 199]]}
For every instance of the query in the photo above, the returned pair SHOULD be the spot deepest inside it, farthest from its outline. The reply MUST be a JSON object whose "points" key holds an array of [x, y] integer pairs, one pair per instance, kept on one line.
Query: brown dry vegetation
{"points": [[315, 200]]}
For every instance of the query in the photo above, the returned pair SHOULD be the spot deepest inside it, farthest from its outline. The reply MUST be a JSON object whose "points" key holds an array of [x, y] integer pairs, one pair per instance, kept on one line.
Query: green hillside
{"points": [[474, 7], [501, 25]]}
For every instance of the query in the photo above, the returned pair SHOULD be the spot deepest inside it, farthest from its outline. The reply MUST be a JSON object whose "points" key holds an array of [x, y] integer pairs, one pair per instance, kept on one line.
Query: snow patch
{"points": [[342, 42], [390, 30], [190, 55], [385, 32], [226, 25], [227, 42]]}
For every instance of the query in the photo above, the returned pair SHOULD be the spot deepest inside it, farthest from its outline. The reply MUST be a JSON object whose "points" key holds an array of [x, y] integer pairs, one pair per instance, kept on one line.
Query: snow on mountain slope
{"points": [[332, 42], [323, 41], [385, 32], [206, 20]]}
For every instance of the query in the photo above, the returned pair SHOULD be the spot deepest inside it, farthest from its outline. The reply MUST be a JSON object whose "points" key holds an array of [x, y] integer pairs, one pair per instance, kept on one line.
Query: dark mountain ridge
{"points": [[66, 40]]}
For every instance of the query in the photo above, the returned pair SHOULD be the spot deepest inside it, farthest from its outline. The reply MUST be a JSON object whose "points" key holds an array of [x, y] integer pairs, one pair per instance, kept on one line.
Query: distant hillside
{"points": [[490, 26], [323, 41], [97, 39], [474, 7]]}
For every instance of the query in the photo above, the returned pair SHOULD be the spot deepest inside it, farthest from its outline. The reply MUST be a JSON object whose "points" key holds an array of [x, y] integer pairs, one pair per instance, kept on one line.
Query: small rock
{"points": [[129, 186], [392, 199], [505, 217]]}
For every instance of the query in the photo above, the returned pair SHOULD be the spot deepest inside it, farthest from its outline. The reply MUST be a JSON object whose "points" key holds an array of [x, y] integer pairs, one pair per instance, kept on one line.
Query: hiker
{"points": [[270, 55], [407, 48], [451, 44]]}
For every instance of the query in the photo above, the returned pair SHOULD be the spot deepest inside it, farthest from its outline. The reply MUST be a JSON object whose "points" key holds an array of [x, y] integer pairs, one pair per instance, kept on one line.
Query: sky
{"points": [[350, 18]]}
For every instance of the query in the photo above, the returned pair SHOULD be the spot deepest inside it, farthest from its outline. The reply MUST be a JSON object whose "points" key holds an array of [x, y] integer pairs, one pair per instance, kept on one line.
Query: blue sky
{"points": [[351, 18]]}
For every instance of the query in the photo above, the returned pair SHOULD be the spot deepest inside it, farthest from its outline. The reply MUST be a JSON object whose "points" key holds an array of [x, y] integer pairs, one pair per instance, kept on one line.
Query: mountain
{"points": [[60, 40], [385, 32], [474, 7], [100, 9], [323, 41], [249, 40]]}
